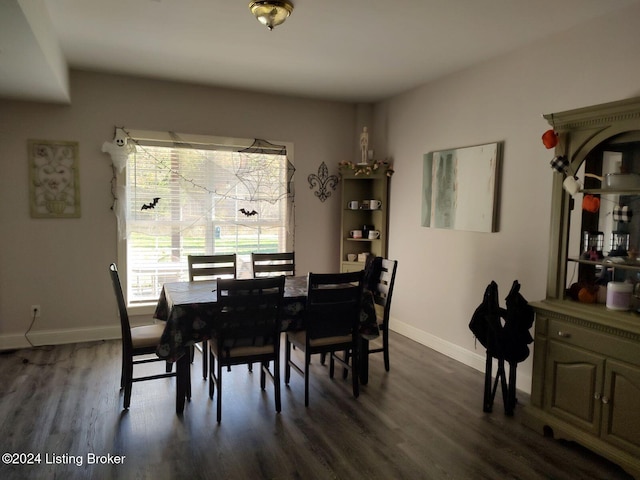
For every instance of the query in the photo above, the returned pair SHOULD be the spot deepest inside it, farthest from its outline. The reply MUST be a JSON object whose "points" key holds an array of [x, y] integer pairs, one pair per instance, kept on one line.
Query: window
{"points": [[205, 197]]}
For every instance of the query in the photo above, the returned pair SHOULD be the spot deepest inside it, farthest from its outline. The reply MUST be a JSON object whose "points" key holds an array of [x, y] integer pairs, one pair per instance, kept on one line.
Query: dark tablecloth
{"points": [[190, 308]]}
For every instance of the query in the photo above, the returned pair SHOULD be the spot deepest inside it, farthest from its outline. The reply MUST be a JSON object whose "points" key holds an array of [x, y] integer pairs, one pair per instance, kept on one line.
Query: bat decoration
{"points": [[248, 214], [147, 206]]}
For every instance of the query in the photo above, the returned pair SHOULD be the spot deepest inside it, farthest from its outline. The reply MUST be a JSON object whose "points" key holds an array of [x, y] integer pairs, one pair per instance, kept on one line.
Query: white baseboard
{"points": [[451, 350], [59, 337]]}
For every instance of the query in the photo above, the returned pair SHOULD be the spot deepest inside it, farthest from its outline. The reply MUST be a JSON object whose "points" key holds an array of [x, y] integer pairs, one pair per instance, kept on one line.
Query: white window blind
{"points": [[199, 198]]}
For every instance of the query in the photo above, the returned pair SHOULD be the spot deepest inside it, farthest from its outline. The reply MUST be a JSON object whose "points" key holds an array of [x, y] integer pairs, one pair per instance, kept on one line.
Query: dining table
{"points": [[189, 309]]}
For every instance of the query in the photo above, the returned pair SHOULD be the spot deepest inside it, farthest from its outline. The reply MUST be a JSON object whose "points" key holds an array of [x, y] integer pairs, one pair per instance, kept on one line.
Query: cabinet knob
{"points": [[605, 400], [596, 396], [563, 334]]}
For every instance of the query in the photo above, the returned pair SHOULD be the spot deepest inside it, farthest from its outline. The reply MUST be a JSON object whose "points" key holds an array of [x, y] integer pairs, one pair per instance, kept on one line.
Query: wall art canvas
{"points": [[460, 188], [53, 179]]}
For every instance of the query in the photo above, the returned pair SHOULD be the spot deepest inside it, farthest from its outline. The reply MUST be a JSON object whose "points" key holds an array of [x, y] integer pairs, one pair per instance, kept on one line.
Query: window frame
{"points": [[167, 139]]}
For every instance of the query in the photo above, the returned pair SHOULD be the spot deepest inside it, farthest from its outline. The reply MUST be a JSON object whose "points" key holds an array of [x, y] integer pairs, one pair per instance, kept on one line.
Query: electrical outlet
{"points": [[35, 311]]}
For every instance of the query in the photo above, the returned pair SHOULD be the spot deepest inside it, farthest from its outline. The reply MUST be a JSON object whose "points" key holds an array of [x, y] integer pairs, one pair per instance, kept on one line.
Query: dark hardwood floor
{"points": [[422, 420]]}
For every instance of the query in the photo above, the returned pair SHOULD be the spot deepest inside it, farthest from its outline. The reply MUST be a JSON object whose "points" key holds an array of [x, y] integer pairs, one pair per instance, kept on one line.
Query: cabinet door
{"points": [[621, 406], [573, 385]]}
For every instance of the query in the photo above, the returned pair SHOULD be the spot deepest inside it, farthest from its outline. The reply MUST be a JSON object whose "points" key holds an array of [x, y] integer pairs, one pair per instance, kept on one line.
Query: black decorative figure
{"points": [[323, 180], [147, 206], [248, 213]]}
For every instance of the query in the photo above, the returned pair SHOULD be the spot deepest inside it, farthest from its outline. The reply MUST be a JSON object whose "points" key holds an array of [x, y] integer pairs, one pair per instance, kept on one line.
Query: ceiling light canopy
{"points": [[271, 14]]}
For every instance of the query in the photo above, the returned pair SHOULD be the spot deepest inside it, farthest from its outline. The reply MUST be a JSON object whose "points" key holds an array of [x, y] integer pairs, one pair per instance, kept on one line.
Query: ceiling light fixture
{"points": [[271, 14]]}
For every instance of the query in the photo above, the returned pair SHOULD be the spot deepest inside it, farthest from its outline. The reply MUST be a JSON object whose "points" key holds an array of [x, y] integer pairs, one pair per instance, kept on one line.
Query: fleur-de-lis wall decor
{"points": [[323, 181]]}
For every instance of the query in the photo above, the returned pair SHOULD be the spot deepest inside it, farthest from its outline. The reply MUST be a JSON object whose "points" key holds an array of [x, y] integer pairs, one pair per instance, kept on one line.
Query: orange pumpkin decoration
{"points": [[590, 203], [588, 295], [550, 139]]}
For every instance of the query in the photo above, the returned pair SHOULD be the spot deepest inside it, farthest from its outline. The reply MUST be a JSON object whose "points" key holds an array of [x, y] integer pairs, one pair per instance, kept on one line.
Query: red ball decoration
{"points": [[550, 139], [590, 203]]}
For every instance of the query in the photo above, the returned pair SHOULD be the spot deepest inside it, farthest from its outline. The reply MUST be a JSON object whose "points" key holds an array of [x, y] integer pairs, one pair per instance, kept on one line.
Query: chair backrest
{"points": [[270, 264], [383, 289], [333, 304], [122, 308], [210, 267], [249, 311]]}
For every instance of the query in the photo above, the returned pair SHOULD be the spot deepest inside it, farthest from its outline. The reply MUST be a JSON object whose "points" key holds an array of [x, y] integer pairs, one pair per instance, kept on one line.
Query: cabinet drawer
{"points": [[352, 267], [602, 342]]}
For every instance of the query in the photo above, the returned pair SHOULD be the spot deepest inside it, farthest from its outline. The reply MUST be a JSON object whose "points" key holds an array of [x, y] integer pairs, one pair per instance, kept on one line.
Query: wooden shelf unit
{"points": [[359, 188], [586, 363]]}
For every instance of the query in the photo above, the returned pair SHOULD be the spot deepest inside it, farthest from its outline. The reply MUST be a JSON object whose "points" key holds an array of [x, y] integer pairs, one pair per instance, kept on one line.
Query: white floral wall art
{"points": [[53, 179]]}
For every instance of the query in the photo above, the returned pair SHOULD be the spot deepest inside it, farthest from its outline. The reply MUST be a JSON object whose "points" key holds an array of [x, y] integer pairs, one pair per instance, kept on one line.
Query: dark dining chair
{"points": [[382, 291], [140, 342], [270, 264], [210, 267], [332, 316], [248, 327]]}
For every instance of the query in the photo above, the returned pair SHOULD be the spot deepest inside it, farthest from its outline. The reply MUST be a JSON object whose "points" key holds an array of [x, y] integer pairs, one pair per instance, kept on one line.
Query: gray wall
{"points": [[442, 274], [62, 264]]}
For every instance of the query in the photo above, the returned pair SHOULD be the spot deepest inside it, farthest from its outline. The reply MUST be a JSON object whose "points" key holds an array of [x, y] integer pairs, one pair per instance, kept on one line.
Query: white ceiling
{"points": [[347, 50]]}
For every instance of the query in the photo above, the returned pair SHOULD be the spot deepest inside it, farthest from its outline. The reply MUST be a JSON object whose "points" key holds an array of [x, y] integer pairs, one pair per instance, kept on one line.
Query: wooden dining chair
{"points": [[247, 330], [140, 342], [382, 291], [270, 264], [210, 267], [332, 316]]}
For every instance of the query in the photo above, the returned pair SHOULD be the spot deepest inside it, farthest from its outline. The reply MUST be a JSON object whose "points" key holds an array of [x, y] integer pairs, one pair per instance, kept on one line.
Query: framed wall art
{"points": [[460, 188], [54, 190]]}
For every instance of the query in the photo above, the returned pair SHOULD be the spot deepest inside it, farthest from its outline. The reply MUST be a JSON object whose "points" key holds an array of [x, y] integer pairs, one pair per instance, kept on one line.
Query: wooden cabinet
{"points": [[357, 212], [586, 360], [575, 385], [586, 384]]}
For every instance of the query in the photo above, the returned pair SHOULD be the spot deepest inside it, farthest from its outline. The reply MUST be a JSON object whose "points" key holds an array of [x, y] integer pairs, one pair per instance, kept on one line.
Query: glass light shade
{"points": [[271, 14]]}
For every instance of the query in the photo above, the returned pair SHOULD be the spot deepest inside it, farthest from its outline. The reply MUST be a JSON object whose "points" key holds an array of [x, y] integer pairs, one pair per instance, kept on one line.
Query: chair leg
{"points": [[122, 374], [331, 364], [323, 358], [385, 346], [212, 372], [263, 375], [503, 383], [205, 349], [168, 367], [276, 384], [511, 389], [355, 365], [487, 401], [128, 383], [219, 382], [307, 361], [345, 370], [287, 359]]}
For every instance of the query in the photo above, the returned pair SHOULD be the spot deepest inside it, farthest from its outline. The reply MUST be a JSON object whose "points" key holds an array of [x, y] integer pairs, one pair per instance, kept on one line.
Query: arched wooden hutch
{"points": [[586, 371]]}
